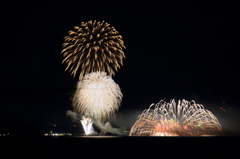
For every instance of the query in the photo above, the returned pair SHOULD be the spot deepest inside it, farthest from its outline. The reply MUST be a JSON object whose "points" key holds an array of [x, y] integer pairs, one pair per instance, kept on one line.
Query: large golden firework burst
{"points": [[93, 46]]}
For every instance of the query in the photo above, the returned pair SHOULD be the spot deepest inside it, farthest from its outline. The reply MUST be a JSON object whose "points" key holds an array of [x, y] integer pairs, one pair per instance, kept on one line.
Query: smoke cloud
{"points": [[108, 128], [73, 115]]}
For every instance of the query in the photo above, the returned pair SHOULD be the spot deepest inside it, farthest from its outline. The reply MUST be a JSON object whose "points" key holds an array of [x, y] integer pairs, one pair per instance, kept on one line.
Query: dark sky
{"points": [[173, 51]]}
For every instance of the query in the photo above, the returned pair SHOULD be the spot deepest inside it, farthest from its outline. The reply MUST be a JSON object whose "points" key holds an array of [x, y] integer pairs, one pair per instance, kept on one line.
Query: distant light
{"points": [[54, 125], [223, 102]]}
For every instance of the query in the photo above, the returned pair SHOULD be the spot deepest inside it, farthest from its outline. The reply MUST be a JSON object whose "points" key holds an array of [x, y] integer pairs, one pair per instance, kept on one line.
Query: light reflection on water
{"points": [[96, 136]]}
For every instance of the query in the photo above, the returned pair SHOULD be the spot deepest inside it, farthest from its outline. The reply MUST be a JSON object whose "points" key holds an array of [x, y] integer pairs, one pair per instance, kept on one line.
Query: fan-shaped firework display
{"points": [[87, 126], [97, 95], [93, 46], [184, 119]]}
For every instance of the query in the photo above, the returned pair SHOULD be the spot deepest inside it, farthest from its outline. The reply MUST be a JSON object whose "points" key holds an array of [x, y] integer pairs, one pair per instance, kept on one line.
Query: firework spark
{"points": [[184, 119], [93, 46], [87, 126], [97, 95]]}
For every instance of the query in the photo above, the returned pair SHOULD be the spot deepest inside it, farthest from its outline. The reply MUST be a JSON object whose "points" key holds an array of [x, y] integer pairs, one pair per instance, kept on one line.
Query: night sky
{"points": [[173, 51]]}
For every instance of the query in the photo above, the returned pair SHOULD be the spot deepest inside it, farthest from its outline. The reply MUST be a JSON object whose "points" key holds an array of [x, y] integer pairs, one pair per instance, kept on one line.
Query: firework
{"points": [[184, 119], [87, 126], [93, 46], [97, 95]]}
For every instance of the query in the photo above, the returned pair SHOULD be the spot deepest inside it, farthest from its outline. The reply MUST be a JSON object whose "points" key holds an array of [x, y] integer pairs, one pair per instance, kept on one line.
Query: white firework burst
{"points": [[97, 95], [87, 126]]}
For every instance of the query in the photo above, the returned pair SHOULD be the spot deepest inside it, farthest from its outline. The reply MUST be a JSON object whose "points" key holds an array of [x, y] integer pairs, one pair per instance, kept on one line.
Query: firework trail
{"points": [[184, 119], [97, 95], [93, 46]]}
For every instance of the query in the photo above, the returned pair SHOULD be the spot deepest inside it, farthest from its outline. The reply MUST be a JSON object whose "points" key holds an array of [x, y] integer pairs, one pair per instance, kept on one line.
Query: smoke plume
{"points": [[73, 115], [108, 128]]}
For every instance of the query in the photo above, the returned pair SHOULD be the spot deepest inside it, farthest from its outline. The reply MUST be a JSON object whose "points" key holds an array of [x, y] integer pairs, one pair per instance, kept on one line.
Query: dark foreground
{"points": [[88, 147]]}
